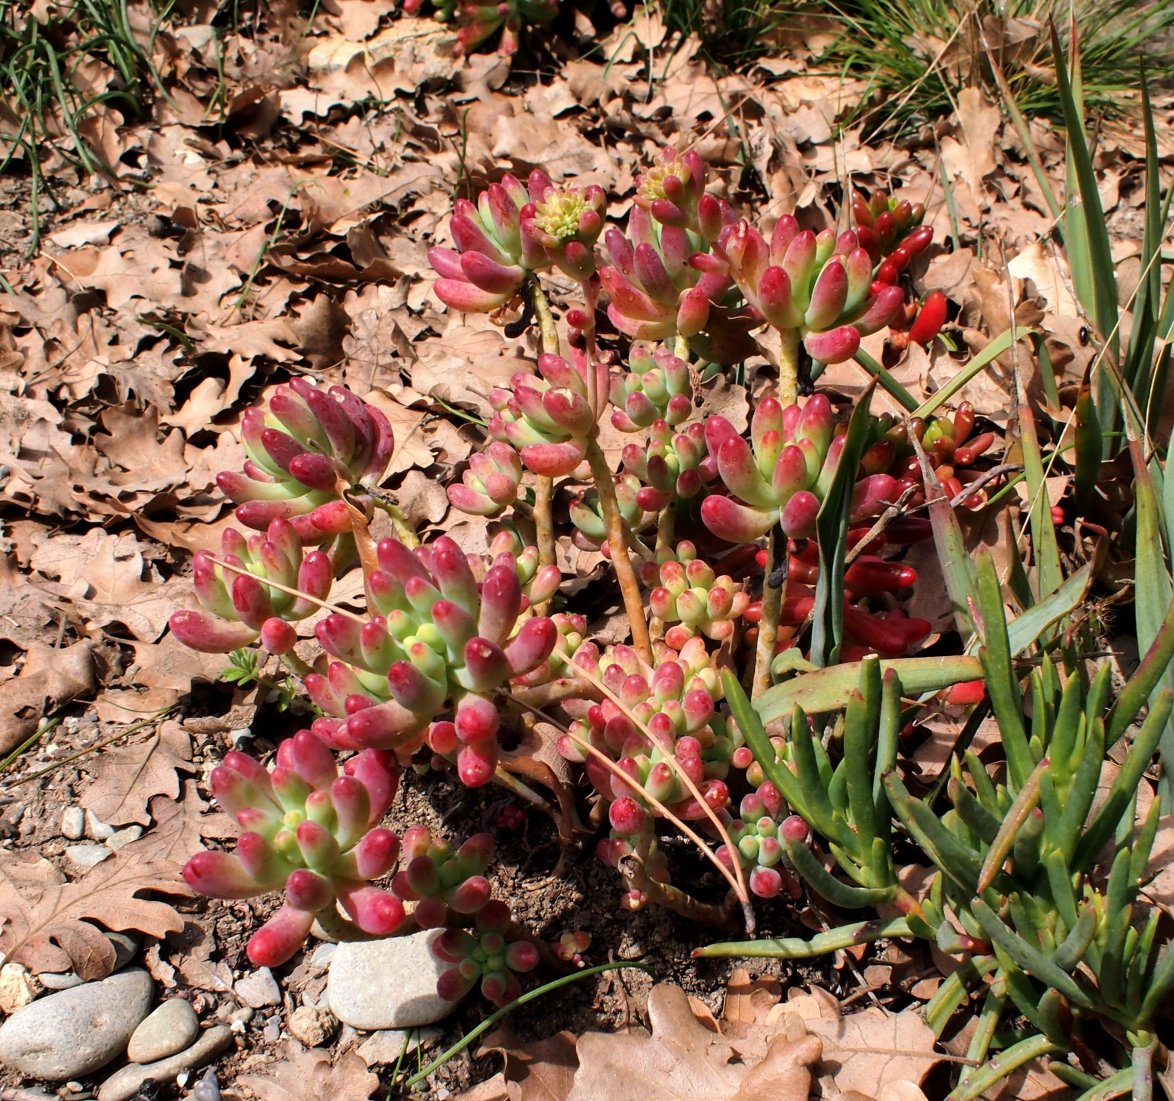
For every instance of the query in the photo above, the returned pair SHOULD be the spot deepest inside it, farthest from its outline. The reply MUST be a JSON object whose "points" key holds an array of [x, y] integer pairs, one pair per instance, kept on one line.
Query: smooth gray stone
{"points": [[169, 1029], [74, 1032], [87, 855], [123, 1084], [126, 947], [389, 983], [257, 989], [60, 980], [73, 824]]}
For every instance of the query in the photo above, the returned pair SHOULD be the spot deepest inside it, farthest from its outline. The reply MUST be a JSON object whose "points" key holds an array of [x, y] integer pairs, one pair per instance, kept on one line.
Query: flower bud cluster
{"points": [[302, 452], [669, 712], [443, 883], [242, 606], [493, 954], [439, 637], [818, 286], [782, 474], [690, 595], [671, 467], [310, 832], [656, 387], [550, 417]]}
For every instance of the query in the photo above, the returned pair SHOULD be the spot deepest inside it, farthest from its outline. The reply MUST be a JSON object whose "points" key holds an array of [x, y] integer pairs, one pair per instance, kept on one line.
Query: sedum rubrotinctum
{"points": [[443, 636]]}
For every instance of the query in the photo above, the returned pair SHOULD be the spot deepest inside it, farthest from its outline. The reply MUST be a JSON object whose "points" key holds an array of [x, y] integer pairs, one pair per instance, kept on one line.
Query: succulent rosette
{"points": [[550, 417], [818, 286], [758, 838], [445, 884], [782, 474], [886, 223], [671, 467], [308, 446], [493, 255], [492, 955], [672, 189], [491, 482], [439, 639], [587, 513], [658, 279], [657, 385], [310, 832], [691, 596]]}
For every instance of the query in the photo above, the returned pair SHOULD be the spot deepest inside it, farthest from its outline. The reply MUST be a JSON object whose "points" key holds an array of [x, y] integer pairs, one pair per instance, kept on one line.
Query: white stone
{"points": [[96, 828], [73, 824], [87, 856], [120, 838], [172, 1027], [124, 1084], [388, 983], [258, 989], [17, 987], [74, 1032]]}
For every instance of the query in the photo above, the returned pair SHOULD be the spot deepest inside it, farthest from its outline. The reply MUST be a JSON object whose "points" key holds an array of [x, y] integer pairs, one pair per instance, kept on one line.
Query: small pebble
{"points": [[172, 1027], [17, 987], [122, 1084], [73, 824], [207, 1088], [258, 989], [60, 980], [312, 1026], [271, 1033], [123, 837], [388, 1047], [76, 1031], [389, 983], [320, 960], [241, 1018], [126, 947], [96, 828], [87, 856]]}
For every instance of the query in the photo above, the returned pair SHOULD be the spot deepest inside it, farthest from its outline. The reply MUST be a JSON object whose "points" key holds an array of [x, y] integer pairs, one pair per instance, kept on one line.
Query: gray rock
{"points": [[73, 824], [390, 1046], [121, 838], [87, 855], [311, 1025], [258, 989], [172, 1027], [60, 980], [123, 1084], [96, 828], [389, 983], [76, 1031], [126, 947], [320, 960]]}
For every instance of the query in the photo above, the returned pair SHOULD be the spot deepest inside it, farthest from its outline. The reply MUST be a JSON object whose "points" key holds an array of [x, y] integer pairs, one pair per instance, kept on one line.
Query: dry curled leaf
{"points": [[309, 1076], [129, 776], [683, 1059], [47, 922], [50, 678]]}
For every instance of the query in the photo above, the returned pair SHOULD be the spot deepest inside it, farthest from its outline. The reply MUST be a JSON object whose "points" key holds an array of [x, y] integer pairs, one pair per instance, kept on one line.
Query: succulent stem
{"points": [[673, 898], [547, 329], [789, 367], [772, 603], [605, 486], [543, 520]]}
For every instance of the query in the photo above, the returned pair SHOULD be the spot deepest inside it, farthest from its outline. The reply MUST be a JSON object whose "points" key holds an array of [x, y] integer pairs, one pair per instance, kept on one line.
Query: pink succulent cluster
{"points": [[782, 473], [310, 832], [670, 467], [446, 885], [491, 483], [817, 286], [694, 600], [657, 386], [550, 417], [587, 515], [243, 607], [669, 711], [493, 954], [889, 228], [438, 638], [758, 837], [308, 446]]}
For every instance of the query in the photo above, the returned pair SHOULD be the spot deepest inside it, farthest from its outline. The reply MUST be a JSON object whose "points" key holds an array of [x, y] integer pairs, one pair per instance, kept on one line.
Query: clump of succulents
{"points": [[311, 831], [488, 955]]}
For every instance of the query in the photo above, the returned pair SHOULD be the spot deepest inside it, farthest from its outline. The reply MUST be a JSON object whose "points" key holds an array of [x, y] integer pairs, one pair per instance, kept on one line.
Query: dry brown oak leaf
{"points": [[683, 1059], [128, 777], [45, 922], [308, 1076]]}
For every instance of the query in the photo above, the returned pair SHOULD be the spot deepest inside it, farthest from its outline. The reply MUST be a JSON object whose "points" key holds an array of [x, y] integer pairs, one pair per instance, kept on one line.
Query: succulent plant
{"points": [[552, 416], [815, 287], [566, 221], [302, 452], [758, 836], [885, 223], [438, 639], [243, 608], [491, 482], [782, 474], [656, 386], [697, 600], [444, 884], [587, 514], [493, 255], [671, 467], [310, 832], [487, 955], [672, 191]]}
